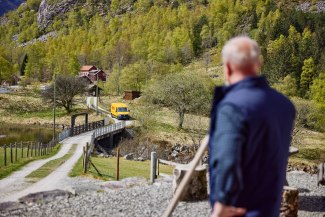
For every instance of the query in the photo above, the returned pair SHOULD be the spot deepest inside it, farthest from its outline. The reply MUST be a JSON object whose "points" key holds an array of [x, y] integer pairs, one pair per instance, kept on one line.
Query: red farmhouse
{"points": [[91, 73]]}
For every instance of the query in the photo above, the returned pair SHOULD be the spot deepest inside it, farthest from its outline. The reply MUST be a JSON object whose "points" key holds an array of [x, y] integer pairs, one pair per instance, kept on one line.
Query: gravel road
{"points": [[15, 185], [121, 199]]}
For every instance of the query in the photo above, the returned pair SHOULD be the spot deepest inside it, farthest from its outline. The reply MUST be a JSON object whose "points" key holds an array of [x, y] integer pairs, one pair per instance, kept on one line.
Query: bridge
{"points": [[16, 186]]}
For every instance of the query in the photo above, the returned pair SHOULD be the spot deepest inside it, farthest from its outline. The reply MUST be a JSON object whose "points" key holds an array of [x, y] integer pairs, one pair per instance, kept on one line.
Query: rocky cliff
{"points": [[48, 11]]}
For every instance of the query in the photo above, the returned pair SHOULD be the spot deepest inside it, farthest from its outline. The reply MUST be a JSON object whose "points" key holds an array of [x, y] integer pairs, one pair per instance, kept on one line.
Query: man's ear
{"points": [[228, 71]]}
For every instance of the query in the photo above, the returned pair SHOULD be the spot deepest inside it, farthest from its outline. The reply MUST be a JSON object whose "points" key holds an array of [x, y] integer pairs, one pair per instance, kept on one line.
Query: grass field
{"points": [[17, 164], [107, 167], [311, 148], [21, 108], [50, 166]]}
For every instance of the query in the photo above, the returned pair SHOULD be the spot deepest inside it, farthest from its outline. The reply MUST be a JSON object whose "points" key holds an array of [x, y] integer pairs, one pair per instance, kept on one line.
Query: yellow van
{"points": [[120, 111]]}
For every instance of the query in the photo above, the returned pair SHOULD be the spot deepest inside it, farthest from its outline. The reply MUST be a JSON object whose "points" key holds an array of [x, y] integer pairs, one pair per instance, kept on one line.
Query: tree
{"points": [[318, 89], [307, 76], [287, 86], [277, 61], [181, 92], [5, 69], [121, 54], [67, 88], [73, 65], [135, 76]]}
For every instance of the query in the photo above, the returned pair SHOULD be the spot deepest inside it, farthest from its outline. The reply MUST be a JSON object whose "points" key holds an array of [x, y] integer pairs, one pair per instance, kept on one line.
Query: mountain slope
{"points": [[6, 5]]}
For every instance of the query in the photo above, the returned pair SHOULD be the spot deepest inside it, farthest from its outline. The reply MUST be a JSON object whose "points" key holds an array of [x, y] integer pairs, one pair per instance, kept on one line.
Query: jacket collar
{"points": [[253, 81]]}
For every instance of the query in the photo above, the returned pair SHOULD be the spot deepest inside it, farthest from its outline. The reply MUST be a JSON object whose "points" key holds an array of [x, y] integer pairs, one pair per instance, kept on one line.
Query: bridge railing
{"points": [[98, 133], [86, 127]]}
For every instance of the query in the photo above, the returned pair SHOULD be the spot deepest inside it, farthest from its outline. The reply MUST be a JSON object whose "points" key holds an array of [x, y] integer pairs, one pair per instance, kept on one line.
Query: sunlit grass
{"points": [[107, 167], [50, 166], [20, 162]]}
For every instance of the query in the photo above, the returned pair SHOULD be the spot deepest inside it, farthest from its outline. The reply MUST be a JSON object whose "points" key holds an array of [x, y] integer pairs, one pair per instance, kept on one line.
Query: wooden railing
{"points": [[88, 149], [86, 127]]}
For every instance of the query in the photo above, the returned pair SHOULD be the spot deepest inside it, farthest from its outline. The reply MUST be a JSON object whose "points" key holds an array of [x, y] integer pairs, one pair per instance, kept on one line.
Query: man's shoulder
{"points": [[252, 98]]}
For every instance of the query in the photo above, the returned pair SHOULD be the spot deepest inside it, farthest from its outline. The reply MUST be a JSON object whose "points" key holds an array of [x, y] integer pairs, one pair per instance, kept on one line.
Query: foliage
{"points": [[67, 87], [309, 115], [318, 89], [287, 86], [183, 93], [307, 76], [140, 41]]}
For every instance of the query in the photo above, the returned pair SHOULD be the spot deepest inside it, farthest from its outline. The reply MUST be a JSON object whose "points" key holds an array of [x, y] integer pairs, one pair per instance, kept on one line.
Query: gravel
{"points": [[135, 197]]}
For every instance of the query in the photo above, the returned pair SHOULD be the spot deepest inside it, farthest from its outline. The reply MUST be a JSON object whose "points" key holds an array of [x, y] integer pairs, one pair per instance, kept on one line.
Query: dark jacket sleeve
{"points": [[225, 153]]}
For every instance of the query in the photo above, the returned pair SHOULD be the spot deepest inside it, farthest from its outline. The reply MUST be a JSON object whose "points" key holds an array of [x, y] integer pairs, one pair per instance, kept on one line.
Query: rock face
{"points": [[47, 11], [197, 188]]}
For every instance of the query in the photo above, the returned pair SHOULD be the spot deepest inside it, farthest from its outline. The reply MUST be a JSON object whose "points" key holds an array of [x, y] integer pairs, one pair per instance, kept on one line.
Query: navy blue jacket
{"points": [[250, 134]]}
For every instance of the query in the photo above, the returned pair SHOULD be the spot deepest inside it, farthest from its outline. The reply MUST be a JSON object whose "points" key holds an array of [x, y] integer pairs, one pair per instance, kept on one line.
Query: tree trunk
{"points": [[197, 189], [181, 115]]}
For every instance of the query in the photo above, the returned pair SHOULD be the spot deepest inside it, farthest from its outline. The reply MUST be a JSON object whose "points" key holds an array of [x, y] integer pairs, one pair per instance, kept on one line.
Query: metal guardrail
{"points": [[97, 133], [63, 135]]}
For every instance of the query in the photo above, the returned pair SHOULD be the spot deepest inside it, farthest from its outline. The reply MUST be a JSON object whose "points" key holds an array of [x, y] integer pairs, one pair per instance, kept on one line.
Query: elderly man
{"points": [[250, 135]]}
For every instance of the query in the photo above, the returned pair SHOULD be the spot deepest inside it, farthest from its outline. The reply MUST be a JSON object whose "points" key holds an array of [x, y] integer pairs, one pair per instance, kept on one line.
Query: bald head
{"points": [[241, 58]]}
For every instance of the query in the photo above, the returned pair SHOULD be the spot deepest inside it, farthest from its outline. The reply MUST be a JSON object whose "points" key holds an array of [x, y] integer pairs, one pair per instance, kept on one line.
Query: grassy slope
{"points": [[6, 170], [50, 166], [28, 108], [311, 149], [107, 167]]}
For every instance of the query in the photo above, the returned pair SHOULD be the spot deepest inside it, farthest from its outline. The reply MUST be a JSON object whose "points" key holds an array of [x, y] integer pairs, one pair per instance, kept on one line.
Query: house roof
{"points": [[93, 87], [87, 68], [95, 72]]}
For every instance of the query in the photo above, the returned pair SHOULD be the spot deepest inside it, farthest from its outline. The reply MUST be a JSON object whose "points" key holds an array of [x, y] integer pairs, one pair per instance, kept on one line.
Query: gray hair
{"points": [[241, 50]]}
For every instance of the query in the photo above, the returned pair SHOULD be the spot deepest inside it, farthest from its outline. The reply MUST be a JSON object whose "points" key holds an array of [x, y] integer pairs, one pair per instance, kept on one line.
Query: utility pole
{"points": [[54, 105], [97, 93]]}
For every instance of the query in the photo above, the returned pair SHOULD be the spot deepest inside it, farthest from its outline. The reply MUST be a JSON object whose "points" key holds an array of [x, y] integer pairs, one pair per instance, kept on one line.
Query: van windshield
{"points": [[122, 109]]}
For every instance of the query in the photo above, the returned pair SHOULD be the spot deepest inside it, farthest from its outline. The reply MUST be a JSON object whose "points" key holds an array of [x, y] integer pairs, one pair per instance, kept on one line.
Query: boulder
{"points": [[289, 204], [197, 189], [129, 156]]}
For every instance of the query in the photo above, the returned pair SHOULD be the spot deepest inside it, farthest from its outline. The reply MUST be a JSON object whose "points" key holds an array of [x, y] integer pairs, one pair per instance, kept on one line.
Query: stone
{"points": [[129, 156], [44, 196], [9, 206], [197, 189], [289, 203], [140, 159]]}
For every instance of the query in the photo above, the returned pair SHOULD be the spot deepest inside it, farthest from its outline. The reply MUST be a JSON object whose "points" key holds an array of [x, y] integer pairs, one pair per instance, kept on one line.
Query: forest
{"points": [[155, 39]]}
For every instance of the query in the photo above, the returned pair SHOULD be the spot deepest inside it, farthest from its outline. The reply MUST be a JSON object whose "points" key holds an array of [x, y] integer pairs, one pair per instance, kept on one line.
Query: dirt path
{"points": [[15, 186]]}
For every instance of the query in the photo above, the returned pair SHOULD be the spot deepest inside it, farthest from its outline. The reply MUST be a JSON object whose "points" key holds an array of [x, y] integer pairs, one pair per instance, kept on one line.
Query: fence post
{"points": [[16, 151], [39, 149], [27, 150], [157, 166], [11, 158], [153, 166], [22, 149], [118, 164], [83, 159], [5, 155], [31, 149]]}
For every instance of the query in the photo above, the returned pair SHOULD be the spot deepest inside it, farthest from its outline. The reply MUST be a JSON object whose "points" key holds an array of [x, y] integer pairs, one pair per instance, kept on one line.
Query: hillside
{"points": [[140, 42], [6, 5]]}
